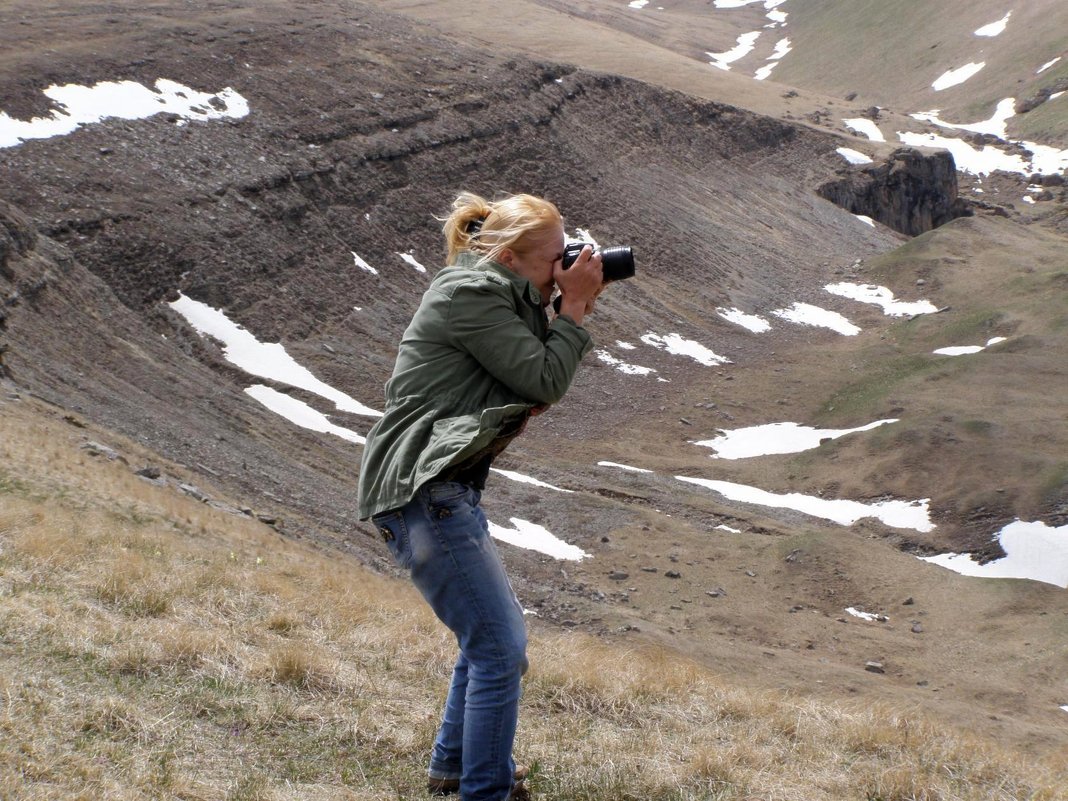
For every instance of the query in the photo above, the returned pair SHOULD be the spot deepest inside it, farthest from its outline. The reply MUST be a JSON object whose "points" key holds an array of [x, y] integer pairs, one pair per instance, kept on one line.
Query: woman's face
{"points": [[537, 261]]}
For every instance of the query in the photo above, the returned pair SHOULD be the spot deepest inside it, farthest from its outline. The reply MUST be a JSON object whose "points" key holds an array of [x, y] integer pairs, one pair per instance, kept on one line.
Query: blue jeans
{"points": [[441, 535]]}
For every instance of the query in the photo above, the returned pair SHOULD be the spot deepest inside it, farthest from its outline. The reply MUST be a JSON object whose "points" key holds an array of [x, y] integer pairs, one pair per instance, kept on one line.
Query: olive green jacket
{"points": [[477, 355]]}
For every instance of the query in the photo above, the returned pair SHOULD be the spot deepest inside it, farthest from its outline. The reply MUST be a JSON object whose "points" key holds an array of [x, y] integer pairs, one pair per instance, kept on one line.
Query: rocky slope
{"points": [[362, 127]]}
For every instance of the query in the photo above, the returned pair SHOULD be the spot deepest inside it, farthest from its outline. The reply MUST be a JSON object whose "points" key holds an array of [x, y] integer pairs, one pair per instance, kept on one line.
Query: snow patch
{"points": [[964, 350], [753, 322], [994, 28], [1005, 110], [622, 366], [896, 514], [745, 44], [807, 314], [676, 345], [853, 156], [870, 616], [1033, 551], [619, 466], [958, 76], [782, 47], [867, 127], [298, 412], [777, 438], [410, 259], [261, 359], [362, 264], [533, 537], [522, 479], [1047, 65], [125, 100], [882, 297], [969, 159]]}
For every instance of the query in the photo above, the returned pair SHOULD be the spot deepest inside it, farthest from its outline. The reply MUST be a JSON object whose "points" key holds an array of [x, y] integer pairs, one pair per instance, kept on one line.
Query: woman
{"points": [[477, 360]]}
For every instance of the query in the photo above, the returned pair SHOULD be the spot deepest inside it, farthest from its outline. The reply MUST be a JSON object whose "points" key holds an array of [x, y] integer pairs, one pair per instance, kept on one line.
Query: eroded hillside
{"points": [[310, 221]]}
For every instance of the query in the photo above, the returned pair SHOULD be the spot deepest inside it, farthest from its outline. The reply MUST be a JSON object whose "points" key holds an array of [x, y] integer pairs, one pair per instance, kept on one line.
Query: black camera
{"points": [[617, 262]]}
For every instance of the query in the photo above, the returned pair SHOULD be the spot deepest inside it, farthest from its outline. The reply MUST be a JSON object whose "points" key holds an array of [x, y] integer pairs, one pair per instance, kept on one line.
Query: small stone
{"points": [[718, 592], [750, 573], [149, 471], [193, 492], [917, 628], [649, 570], [97, 449], [673, 574], [618, 575], [874, 667], [908, 601]]}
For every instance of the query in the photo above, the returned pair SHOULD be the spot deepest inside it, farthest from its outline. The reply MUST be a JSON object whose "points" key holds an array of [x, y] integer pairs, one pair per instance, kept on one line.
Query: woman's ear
{"points": [[505, 257]]}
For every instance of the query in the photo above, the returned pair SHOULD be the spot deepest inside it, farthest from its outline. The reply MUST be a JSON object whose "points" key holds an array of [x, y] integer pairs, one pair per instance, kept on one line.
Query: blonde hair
{"points": [[507, 224]]}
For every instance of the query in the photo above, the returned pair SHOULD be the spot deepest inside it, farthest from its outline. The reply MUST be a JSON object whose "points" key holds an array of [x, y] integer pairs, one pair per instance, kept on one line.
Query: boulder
{"points": [[909, 192]]}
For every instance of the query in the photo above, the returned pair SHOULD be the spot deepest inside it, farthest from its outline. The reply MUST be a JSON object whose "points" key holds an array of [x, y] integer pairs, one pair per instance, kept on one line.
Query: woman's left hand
{"points": [[593, 301]]}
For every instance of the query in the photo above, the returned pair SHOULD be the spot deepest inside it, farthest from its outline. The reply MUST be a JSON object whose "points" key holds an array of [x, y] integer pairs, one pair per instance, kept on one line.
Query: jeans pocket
{"points": [[394, 532], [444, 494]]}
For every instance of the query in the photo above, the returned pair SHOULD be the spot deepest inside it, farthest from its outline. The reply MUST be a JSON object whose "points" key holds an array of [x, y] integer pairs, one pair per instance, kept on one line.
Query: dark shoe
{"points": [[450, 786]]}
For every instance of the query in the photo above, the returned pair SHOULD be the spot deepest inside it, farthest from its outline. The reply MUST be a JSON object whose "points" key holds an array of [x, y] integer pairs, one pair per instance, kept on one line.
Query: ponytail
{"points": [[489, 228]]}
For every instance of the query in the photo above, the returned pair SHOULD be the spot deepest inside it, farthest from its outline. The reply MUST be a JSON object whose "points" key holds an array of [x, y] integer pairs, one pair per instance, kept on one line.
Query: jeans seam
{"points": [[462, 570]]}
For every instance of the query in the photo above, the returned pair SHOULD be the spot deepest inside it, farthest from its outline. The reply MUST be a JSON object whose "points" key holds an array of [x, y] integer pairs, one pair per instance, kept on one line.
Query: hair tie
{"points": [[475, 226]]}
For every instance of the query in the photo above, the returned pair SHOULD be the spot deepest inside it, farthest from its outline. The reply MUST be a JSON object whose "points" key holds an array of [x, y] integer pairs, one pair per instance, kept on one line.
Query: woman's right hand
{"points": [[580, 284]]}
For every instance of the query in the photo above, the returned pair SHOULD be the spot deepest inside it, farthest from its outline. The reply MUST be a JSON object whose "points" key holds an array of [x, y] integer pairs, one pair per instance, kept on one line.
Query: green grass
{"points": [[1053, 484], [864, 397]]}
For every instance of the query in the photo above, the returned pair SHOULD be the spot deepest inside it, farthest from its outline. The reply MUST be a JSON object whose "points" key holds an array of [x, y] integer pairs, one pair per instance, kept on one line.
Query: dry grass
{"points": [[155, 648]]}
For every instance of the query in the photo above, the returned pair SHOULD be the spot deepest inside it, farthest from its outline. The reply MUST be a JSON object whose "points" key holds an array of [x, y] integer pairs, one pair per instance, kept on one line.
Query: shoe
{"points": [[450, 786]]}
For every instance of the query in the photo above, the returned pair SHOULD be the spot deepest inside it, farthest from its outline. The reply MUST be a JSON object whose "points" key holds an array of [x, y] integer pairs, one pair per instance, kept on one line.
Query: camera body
{"points": [[617, 262]]}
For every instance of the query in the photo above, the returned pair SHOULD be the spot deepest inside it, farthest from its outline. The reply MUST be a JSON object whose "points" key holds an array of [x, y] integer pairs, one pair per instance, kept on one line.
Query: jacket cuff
{"points": [[565, 326]]}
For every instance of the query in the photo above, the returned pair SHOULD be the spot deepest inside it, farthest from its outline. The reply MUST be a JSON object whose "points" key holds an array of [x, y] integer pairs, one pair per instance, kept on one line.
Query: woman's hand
{"points": [[580, 284]]}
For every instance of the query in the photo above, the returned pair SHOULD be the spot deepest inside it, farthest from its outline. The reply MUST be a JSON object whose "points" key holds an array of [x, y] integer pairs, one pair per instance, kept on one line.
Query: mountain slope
{"points": [[362, 125]]}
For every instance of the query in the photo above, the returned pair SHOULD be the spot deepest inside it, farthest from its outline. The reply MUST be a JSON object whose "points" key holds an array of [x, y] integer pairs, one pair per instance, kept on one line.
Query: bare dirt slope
{"points": [[362, 126]]}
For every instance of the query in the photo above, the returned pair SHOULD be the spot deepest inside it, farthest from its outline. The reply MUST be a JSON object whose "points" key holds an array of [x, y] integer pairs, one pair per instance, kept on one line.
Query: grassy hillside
{"points": [[889, 52], [154, 647]]}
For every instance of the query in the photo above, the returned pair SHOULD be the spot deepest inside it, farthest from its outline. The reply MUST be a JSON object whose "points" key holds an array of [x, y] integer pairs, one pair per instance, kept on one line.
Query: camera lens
{"points": [[617, 263]]}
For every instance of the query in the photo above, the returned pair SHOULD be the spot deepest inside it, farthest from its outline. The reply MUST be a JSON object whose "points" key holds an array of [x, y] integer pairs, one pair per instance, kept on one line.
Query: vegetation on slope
{"points": [[154, 647]]}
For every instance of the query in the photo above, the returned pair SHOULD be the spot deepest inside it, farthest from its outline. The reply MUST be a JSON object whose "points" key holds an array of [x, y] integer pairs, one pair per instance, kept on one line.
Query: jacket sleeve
{"points": [[484, 321]]}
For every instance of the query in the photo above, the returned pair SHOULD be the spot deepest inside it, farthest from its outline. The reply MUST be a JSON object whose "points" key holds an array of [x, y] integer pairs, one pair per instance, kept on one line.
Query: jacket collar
{"points": [[469, 260]]}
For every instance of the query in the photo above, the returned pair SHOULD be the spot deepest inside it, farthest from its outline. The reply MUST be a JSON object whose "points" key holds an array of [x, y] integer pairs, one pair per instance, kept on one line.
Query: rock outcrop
{"points": [[17, 236], [910, 192]]}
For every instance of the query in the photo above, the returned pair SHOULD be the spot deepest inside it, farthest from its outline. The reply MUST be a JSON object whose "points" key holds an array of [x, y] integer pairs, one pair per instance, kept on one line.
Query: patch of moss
{"points": [[860, 398], [12, 485], [1053, 483], [981, 428]]}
